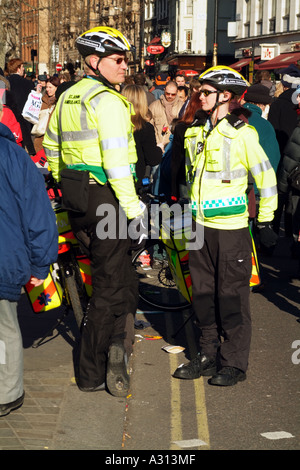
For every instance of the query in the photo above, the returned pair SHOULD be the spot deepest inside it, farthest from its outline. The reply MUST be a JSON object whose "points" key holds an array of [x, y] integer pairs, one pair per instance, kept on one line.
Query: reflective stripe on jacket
{"points": [[92, 125], [217, 165]]}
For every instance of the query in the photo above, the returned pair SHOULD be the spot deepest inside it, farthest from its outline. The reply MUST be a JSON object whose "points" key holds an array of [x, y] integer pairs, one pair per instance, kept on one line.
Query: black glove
{"points": [[138, 230], [267, 236]]}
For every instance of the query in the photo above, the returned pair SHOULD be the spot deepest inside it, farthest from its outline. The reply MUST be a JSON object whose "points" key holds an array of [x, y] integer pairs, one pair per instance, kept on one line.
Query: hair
{"points": [[129, 80], [13, 65], [137, 96], [279, 89], [66, 76], [193, 105], [54, 81], [139, 79], [172, 83], [194, 83], [184, 88]]}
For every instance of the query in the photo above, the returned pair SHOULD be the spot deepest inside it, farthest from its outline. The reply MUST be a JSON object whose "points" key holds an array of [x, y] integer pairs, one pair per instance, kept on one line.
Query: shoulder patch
{"points": [[235, 121]]}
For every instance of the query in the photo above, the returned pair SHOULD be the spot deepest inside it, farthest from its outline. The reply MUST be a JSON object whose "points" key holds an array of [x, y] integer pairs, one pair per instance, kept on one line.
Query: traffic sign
{"points": [[58, 67]]}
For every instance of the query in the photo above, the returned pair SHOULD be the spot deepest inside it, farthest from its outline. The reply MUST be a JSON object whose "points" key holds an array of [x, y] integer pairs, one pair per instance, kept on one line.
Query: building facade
{"points": [[172, 34], [267, 32]]}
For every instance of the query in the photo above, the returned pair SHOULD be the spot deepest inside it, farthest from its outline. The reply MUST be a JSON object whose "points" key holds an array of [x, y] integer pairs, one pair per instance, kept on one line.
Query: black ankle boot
{"points": [[200, 365]]}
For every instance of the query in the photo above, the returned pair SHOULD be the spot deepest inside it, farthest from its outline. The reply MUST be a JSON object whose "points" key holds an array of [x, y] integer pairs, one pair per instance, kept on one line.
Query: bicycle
{"points": [[69, 280], [164, 280]]}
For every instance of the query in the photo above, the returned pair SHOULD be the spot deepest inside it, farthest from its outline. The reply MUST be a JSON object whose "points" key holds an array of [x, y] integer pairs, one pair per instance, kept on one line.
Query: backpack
{"points": [[294, 178]]}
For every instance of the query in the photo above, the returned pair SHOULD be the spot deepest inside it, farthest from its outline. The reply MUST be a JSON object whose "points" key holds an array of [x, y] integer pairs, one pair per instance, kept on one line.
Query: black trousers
{"points": [[114, 282], [220, 273]]}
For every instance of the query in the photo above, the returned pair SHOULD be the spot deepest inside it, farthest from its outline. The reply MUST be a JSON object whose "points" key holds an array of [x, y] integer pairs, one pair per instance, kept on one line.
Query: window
{"points": [[189, 7], [188, 40], [247, 16], [272, 20], [259, 22], [286, 17]]}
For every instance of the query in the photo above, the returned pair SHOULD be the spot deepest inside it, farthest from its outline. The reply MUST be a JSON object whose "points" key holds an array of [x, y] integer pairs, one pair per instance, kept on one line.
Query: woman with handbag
{"points": [[48, 105]]}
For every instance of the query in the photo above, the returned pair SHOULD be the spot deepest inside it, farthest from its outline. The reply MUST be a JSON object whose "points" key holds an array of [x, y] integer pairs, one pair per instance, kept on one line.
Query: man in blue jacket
{"points": [[28, 245]]}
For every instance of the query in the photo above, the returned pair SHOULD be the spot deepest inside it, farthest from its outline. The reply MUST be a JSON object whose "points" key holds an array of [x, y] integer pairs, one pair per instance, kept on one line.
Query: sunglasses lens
{"points": [[206, 92], [121, 59]]}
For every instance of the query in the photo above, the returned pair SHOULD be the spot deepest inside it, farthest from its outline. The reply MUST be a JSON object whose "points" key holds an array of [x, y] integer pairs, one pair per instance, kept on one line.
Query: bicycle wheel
{"points": [[156, 284], [74, 299]]}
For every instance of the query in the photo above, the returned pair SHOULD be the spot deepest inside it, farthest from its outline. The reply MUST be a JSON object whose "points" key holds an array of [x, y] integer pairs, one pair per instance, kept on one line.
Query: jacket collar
{"points": [[6, 133]]}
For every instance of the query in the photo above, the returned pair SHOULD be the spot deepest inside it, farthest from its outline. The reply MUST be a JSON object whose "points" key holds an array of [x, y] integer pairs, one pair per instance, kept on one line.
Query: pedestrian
{"points": [[48, 105], [29, 244], [183, 93], [290, 162], [255, 100], [194, 86], [8, 117], [90, 148], [220, 152], [180, 80], [283, 117], [177, 173], [160, 81], [42, 81], [20, 89], [163, 111], [263, 77], [148, 152], [140, 79]]}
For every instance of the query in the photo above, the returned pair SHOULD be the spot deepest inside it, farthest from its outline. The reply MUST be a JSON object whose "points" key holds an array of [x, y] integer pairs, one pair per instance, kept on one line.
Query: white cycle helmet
{"points": [[102, 41], [223, 78]]}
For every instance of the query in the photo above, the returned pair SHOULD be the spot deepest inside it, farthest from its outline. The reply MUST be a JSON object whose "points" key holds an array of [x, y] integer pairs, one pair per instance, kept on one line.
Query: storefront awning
{"points": [[241, 63], [281, 61]]}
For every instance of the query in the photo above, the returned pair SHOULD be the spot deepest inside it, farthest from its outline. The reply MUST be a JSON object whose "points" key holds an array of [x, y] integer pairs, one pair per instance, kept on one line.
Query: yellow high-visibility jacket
{"points": [[217, 165], [91, 129]]}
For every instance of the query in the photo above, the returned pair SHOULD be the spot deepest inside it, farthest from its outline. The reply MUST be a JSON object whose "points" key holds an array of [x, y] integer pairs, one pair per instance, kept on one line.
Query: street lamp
{"points": [[215, 49]]}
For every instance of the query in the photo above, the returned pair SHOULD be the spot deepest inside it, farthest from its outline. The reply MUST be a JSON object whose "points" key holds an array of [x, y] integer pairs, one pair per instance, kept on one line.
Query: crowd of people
{"points": [[214, 140]]}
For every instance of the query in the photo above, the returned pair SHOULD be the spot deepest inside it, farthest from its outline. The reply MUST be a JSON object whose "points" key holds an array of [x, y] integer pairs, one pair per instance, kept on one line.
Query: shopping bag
{"points": [[32, 107], [40, 127]]}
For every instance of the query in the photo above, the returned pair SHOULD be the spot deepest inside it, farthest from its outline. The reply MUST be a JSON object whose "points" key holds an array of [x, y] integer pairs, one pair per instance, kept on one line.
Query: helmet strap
{"points": [[96, 71], [99, 75], [217, 105]]}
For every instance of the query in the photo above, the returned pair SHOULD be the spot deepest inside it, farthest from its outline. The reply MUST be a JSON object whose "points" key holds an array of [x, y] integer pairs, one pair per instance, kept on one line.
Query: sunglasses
{"points": [[170, 94], [206, 92], [119, 60]]}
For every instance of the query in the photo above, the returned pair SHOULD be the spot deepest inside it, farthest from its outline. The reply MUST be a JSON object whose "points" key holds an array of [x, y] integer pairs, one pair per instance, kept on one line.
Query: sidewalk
{"points": [[161, 412], [56, 415]]}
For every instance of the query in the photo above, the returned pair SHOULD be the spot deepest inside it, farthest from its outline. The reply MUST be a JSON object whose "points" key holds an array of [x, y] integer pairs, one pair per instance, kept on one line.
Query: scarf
{"points": [[169, 107]]}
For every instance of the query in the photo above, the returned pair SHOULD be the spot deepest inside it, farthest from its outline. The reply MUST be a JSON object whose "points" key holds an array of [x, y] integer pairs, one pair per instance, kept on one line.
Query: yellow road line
{"points": [[176, 424], [199, 392], [201, 414], [200, 404]]}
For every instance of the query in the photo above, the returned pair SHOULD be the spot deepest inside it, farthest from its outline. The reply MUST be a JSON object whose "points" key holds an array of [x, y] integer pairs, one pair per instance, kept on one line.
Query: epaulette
{"points": [[235, 121], [200, 118]]}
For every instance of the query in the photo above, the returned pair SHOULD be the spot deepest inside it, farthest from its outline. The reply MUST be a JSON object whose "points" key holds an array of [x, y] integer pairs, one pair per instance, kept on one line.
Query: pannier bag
{"points": [[175, 234], [48, 295]]}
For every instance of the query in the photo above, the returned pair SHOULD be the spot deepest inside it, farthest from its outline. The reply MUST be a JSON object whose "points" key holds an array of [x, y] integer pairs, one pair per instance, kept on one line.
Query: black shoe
{"points": [[92, 389], [200, 365], [8, 407], [117, 377], [228, 376]]}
